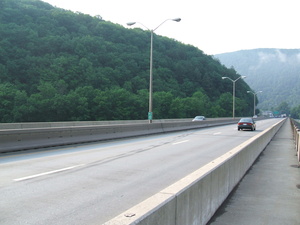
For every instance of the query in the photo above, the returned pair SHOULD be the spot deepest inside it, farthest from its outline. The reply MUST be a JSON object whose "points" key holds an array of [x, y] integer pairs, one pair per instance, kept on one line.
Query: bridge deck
{"points": [[270, 191]]}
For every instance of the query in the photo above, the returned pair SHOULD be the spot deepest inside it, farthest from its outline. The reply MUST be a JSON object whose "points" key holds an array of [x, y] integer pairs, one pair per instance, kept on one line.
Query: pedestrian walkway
{"points": [[269, 194]]}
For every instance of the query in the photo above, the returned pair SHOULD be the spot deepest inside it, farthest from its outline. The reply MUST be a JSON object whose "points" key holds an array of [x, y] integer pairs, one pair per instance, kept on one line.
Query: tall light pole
{"points": [[254, 97], [150, 113], [233, 92]]}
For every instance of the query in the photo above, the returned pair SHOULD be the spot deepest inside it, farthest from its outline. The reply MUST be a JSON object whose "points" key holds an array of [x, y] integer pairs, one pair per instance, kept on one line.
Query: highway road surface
{"points": [[92, 183]]}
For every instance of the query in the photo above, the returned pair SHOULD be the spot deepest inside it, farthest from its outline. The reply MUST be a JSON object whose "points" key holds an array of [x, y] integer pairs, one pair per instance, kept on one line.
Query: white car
{"points": [[199, 118]]}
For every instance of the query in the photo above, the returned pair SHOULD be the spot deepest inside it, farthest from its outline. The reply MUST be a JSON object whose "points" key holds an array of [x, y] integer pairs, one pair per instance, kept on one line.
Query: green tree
{"points": [[162, 104], [114, 104], [20, 106], [283, 108], [295, 112], [7, 96], [178, 108], [241, 108], [225, 103], [141, 103], [203, 103]]}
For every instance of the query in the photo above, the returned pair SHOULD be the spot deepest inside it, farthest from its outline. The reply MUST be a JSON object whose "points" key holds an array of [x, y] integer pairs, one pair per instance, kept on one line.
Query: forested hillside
{"points": [[276, 72], [57, 65]]}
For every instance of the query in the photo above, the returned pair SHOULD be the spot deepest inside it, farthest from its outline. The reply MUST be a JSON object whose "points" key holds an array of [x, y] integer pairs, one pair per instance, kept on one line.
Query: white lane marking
{"points": [[47, 173], [176, 143], [217, 133]]}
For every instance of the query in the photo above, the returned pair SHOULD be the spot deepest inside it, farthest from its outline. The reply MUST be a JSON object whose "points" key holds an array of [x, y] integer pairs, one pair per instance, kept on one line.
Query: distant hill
{"points": [[276, 72], [57, 65]]}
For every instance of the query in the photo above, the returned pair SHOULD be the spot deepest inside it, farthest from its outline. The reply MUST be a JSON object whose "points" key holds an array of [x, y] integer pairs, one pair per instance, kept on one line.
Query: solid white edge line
{"points": [[47, 173]]}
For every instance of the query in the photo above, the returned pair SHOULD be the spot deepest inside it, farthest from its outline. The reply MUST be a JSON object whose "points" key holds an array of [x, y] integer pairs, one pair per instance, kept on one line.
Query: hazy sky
{"points": [[214, 26]]}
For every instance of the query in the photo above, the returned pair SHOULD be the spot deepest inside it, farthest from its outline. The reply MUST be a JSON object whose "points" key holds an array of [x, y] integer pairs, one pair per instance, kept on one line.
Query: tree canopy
{"points": [[57, 65]]}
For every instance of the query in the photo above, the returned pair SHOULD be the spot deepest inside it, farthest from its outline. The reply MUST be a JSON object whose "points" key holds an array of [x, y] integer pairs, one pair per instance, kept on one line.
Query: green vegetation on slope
{"points": [[276, 72], [56, 65]]}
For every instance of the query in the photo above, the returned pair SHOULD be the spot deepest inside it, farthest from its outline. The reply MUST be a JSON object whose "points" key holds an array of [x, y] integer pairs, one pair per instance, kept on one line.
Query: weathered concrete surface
{"points": [[39, 135], [269, 194], [194, 199]]}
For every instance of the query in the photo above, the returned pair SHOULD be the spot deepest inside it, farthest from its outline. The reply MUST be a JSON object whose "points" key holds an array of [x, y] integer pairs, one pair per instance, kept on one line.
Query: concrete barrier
{"points": [[195, 198], [79, 123], [39, 135], [296, 133], [27, 125]]}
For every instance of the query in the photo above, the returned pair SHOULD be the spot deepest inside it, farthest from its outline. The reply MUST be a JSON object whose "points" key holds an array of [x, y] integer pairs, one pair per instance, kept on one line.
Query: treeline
{"points": [[295, 112], [87, 103], [284, 108], [56, 65]]}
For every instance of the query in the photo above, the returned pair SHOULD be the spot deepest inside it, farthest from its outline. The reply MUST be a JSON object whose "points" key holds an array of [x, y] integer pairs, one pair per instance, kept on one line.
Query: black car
{"points": [[246, 123]]}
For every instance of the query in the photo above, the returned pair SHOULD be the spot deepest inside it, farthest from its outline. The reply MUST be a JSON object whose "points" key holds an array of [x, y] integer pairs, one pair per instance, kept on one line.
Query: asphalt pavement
{"points": [[270, 191]]}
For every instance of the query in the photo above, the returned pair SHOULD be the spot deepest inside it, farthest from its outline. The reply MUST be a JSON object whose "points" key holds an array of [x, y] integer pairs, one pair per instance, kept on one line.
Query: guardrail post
{"points": [[296, 136], [298, 147]]}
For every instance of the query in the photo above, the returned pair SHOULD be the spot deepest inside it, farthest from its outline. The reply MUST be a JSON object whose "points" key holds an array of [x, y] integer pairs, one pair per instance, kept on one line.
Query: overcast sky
{"points": [[214, 26]]}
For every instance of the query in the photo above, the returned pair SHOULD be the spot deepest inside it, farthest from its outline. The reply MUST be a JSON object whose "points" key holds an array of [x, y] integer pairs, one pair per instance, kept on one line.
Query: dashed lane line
{"points": [[47, 173], [180, 142]]}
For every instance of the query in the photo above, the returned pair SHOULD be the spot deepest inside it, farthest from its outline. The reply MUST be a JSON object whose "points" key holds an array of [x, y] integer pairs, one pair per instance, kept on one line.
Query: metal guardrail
{"points": [[296, 133]]}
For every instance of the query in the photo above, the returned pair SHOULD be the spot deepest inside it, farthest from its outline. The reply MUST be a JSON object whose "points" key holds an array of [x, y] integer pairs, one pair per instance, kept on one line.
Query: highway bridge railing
{"points": [[296, 134]]}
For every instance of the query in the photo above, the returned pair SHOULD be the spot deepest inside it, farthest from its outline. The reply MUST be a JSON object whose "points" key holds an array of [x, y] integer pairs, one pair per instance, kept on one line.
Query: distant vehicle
{"points": [[246, 123], [199, 118], [255, 116]]}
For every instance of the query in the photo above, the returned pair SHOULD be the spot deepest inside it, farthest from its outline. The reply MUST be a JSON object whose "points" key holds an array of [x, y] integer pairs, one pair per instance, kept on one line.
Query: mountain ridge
{"points": [[273, 71]]}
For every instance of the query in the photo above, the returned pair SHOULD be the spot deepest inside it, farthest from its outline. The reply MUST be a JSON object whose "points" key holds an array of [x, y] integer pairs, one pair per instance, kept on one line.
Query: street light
{"points": [[150, 113], [233, 92], [254, 96]]}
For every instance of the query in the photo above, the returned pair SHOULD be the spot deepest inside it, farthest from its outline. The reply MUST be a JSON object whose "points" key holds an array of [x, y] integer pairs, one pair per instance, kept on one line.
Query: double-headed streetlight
{"points": [[254, 97], [150, 113], [233, 92]]}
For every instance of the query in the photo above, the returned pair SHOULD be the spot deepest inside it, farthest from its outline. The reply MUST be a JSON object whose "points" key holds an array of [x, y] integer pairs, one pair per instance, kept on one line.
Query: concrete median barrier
{"points": [[14, 137]]}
